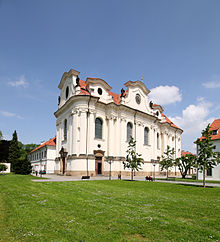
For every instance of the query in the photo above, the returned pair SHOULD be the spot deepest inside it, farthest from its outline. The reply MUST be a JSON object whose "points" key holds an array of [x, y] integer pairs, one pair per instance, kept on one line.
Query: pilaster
{"points": [[83, 129]]}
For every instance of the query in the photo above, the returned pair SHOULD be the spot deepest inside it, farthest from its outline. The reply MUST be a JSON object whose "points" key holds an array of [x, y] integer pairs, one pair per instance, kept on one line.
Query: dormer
{"points": [[99, 88], [67, 86], [136, 96]]}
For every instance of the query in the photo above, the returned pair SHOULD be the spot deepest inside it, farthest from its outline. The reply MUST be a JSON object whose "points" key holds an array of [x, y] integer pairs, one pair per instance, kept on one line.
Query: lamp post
{"points": [[154, 162], [110, 160], [40, 167]]}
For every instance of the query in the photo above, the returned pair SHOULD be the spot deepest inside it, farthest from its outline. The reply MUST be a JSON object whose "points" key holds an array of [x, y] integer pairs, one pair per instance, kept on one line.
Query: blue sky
{"points": [[175, 45]]}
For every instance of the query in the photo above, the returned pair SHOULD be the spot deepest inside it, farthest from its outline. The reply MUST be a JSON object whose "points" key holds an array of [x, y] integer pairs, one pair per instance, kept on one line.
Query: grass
{"points": [[106, 211], [187, 180]]}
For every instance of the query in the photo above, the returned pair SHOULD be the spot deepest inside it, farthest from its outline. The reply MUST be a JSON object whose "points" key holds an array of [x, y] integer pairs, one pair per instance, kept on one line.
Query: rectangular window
{"points": [[209, 172], [214, 132]]}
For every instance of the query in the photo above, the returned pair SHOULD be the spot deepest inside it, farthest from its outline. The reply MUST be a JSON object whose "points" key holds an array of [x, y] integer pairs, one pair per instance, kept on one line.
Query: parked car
{"points": [[42, 172]]}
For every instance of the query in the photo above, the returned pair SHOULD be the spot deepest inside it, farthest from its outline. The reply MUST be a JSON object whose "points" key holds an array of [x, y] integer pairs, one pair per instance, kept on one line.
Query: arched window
{"points": [[67, 92], [158, 141], [65, 129], [129, 131], [98, 128], [146, 136]]}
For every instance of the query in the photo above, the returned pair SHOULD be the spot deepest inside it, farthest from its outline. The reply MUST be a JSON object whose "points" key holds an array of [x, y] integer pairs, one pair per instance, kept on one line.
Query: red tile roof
{"points": [[183, 153], [115, 97], [82, 84], [214, 126], [51, 142], [170, 122], [84, 91]]}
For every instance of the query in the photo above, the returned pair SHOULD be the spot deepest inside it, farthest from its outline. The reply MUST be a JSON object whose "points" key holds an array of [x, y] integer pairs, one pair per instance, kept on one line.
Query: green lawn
{"points": [[187, 180], [106, 211]]}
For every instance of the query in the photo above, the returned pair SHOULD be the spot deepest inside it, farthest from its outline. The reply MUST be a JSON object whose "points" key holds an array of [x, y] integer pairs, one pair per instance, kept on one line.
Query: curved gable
{"points": [[66, 75], [138, 84], [98, 81]]}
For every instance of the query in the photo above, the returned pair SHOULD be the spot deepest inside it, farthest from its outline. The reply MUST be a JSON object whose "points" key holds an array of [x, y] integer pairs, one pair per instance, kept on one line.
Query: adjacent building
{"points": [[43, 157], [94, 125], [213, 173]]}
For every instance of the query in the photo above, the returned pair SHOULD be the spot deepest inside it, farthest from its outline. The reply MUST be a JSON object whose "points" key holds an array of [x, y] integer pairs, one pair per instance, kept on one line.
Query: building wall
{"points": [[8, 170], [216, 169], [43, 159]]}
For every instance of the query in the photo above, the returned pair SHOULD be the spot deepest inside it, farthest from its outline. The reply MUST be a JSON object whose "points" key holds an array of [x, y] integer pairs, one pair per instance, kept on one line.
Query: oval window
{"points": [[138, 99], [100, 91]]}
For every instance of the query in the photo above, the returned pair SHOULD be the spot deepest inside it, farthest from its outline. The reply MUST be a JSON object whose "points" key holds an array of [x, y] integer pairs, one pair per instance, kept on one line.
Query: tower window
{"points": [[67, 92], [100, 91]]}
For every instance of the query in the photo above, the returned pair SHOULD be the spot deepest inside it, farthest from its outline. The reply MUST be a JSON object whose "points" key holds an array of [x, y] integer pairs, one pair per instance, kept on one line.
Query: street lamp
{"points": [[110, 160], [40, 167], [154, 162]]}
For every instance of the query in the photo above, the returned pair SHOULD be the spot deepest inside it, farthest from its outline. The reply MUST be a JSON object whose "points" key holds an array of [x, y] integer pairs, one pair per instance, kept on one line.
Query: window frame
{"points": [[209, 171], [98, 128], [146, 136], [158, 141], [65, 129], [129, 131]]}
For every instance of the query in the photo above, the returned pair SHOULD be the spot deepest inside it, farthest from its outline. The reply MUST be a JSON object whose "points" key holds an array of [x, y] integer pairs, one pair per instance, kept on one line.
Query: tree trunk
{"points": [[167, 173], [132, 174], [204, 176], [183, 176]]}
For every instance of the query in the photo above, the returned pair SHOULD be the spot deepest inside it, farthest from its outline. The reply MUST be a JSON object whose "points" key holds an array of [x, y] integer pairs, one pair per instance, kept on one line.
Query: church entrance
{"points": [[99, 161], [98, 165]]}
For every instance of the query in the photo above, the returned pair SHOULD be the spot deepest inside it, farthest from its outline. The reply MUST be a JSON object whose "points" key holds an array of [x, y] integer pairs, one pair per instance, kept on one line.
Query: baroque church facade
{"points": [[94, 125]]}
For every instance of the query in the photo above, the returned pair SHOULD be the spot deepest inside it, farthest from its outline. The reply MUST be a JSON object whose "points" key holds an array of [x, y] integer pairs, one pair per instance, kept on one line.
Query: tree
{"points": [[3, 167], [133, 159], [26, 167], [14, 154], [184, 163], [206, 157], [167, 159], [1, 136], [25, 149]]}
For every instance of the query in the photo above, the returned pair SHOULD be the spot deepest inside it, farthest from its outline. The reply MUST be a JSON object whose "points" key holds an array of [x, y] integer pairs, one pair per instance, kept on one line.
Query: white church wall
{"points": [[81, 125]]}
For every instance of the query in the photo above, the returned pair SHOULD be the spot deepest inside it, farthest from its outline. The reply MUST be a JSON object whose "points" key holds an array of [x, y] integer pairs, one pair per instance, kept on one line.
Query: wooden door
{"points": [[98, 165]]}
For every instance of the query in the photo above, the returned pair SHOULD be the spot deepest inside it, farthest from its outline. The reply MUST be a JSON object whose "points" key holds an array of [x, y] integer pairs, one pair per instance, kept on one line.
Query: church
{"points": [[94, 126]]}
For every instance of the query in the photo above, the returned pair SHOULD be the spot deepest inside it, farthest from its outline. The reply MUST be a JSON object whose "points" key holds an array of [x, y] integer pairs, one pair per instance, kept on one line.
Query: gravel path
{"points": [[57, 178]]}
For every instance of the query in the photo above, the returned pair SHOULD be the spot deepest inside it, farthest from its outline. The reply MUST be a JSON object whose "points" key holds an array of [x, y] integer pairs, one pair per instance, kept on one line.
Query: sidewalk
{"points": [[57, 178]]}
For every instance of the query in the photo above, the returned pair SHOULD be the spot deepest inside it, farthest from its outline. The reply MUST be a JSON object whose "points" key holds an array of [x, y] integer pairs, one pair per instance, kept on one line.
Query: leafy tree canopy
{"points": [[184, 163], [133, 159], [14, 153], [18, 155], [167, 159], [3, 167], [207, 158]]}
